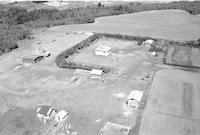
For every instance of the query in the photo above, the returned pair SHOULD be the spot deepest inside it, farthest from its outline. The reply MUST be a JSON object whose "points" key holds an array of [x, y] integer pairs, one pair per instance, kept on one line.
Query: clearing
{"points": [[90, 103]]}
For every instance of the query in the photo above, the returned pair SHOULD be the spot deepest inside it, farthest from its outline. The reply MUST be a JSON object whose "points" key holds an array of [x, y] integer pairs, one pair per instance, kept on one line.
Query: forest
{"points": [[16, 23]]}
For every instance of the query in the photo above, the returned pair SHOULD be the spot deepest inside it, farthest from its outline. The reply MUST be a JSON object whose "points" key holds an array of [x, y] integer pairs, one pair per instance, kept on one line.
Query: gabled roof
{"points": [[96, 72], [103, 48], [136, 95], [62, 114], [44, 110]]}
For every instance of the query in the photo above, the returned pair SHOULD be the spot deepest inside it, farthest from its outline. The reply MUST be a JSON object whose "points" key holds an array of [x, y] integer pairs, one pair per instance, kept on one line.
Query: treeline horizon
{"points": [[16, 23]]}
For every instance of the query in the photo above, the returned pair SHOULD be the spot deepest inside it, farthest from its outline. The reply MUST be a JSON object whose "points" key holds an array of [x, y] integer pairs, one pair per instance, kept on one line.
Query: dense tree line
{"points": [[16, 22]]}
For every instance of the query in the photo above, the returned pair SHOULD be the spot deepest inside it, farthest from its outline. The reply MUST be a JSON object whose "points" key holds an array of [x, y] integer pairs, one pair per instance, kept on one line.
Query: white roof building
{"points": [[96, 72], [134, 98], [149, 41], [103, 50], [61, 116], [136, 95]]}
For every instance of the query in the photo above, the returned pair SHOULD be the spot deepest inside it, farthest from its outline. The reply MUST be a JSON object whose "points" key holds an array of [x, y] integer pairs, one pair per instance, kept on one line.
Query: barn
{"points": [[32, 58]]}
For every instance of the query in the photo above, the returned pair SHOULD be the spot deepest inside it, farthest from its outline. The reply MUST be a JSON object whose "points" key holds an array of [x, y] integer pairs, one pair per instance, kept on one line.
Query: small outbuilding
{"points": [[154, 54], [61, 116], [45, 113], [89, 33], [148, 43], [96, 73], [103, 50], [134, 98], [32, 58], [114, 129]]}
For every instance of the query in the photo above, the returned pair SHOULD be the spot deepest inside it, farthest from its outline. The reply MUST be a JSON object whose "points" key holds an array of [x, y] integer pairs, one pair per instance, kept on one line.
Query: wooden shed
{"points": [[32, 58]]}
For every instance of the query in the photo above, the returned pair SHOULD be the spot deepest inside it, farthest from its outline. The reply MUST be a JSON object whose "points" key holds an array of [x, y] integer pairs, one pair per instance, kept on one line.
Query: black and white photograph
{"points": [[99, 67]]}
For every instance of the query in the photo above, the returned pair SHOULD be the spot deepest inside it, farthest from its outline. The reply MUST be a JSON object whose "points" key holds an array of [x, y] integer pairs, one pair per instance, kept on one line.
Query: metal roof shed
{"points": [[96, 72]]}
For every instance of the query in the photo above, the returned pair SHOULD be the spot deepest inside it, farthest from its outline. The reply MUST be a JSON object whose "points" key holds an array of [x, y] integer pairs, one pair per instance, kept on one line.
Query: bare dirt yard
{"points": [[185, 56], [173, 106], [90, 103]]}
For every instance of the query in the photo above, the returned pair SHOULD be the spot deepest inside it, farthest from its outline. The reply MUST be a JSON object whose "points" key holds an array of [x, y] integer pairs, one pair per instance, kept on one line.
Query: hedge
{"points": [[61, 58]]}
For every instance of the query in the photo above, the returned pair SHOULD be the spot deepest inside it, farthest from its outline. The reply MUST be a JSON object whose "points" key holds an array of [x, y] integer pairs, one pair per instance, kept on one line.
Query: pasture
{"points": [[122, 53], [173, 106], [165, 24], [183, 56], [91, 103]]}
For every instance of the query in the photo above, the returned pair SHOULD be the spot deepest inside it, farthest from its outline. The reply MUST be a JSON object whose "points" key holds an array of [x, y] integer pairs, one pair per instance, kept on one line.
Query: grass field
{"points": [[183, 56], [91, 103], [121, 56], [173, 107], [178, 25]]}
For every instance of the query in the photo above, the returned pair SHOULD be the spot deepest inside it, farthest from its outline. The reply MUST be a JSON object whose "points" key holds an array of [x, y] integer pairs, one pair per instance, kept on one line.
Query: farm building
{"points": [[148, 43], [32, 58], [114, 129], [61, 116], [134, 98], [103, 50], [44, 113], [96, 73]]}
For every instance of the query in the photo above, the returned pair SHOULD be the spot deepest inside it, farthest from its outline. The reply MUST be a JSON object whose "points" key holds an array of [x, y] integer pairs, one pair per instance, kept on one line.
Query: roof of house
{"points": [[96, 72], [136, 95], [114, 129], [103, 48], [44, 110], [149, 41], [32, 56], [62, 114]]}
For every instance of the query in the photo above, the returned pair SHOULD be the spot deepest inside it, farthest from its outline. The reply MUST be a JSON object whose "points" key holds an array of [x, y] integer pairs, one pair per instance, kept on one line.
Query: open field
{"points": [[91, 103], [120, 58], [173, 102], [173, 107], [178, 25], [184, 56]]}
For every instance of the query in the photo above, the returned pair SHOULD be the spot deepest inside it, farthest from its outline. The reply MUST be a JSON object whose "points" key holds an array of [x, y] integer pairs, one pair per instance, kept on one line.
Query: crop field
{"points": [[183, 56], [178, 25], [174, 105]]}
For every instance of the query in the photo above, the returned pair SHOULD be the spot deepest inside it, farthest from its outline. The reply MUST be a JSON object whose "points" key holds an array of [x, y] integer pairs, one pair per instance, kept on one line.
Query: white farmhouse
{"points": [[134, 98], [103, 50]]}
